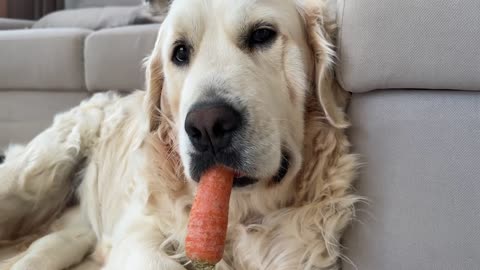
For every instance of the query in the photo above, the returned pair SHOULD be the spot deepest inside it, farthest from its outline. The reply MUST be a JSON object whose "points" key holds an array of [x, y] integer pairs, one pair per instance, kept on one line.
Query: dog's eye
{"points": [[181, 55], [262, 36]]}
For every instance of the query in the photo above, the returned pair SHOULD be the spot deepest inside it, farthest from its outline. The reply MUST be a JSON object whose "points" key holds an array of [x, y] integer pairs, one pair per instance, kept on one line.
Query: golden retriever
{"points": [[243, 83]]}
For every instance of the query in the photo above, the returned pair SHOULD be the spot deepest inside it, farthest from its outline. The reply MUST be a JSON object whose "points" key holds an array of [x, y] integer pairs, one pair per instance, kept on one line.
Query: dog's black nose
{"points": [[211, 127]]}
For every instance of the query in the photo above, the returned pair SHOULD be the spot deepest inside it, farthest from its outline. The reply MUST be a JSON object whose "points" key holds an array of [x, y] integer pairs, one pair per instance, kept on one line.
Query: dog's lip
{"points": [[239, 174], [242, 180], [284, 168]]}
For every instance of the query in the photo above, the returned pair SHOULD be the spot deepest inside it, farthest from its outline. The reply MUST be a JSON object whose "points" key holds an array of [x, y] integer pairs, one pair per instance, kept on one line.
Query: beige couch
{"points": [[48, 70]]}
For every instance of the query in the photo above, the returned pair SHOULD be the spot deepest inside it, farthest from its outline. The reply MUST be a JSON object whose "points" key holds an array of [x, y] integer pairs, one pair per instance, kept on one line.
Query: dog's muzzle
{"points": [[217, 132]]}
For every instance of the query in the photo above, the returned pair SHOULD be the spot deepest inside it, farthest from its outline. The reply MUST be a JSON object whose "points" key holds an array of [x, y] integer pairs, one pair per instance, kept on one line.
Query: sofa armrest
{"points": [[11, 24]]}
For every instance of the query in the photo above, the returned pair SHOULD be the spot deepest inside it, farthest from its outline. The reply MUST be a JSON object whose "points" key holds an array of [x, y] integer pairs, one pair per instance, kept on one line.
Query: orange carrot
{"points": [[207, 227]]}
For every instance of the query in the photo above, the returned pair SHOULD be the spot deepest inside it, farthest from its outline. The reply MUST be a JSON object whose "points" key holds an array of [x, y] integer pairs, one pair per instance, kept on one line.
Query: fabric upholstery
{"points": [[23, 114], [114, 57], [99, 3], [386, 44], [90, 18], [11, 24], [42, 59], [421, 172]]}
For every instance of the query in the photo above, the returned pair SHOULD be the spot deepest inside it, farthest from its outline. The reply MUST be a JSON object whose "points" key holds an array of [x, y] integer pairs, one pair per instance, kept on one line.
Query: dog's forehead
{"points": [[194, 15], [226, 7]]}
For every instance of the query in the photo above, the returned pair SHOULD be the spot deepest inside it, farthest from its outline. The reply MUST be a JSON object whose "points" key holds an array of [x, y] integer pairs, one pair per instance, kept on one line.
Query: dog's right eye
{"points": [[181, 55]]}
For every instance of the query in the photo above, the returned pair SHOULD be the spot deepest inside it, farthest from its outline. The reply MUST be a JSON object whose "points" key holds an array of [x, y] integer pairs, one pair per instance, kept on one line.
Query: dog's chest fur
{"points": [[295, 218]]}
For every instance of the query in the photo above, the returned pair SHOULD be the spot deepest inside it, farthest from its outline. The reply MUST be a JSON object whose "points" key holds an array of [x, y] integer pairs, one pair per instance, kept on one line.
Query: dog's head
{"points": [[233, 78]]}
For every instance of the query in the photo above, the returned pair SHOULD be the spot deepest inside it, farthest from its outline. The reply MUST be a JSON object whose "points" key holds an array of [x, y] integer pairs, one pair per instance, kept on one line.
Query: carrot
{"points": [[207, 227]]}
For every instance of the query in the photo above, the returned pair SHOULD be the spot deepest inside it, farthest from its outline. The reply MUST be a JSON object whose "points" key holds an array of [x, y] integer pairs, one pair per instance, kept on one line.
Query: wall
{"points": [[31, 9], [3, 8]]}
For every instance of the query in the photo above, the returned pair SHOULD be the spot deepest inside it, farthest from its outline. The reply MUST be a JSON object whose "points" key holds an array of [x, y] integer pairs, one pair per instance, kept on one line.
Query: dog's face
{"points": [[233, 77]]}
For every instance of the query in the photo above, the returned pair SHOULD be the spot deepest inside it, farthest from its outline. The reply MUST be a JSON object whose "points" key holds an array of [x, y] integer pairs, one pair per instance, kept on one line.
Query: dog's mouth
{"points": [[201, 163], [242, 180]]}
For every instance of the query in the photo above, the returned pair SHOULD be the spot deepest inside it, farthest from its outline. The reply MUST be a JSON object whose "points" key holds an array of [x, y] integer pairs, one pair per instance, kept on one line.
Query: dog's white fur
{"points": [[130, 166]]}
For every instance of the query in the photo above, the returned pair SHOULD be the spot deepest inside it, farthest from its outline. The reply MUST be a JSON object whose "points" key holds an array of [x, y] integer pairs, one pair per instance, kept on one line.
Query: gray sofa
{"points": [[413, 68], [44, 71]]}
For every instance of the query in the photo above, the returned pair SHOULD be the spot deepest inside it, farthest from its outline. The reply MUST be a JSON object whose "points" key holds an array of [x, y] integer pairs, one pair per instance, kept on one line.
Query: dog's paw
{"points": [[141, 261], [30, 264], [6, 265]]}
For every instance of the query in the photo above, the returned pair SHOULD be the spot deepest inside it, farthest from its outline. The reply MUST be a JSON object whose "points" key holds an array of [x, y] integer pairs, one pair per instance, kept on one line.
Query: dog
{"points": [[244, 84]]}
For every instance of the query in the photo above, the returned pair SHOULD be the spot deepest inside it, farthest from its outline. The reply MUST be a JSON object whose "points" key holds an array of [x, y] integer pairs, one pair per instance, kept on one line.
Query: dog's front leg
{"points": [[137, 244], [140, 250], [56, 251]]}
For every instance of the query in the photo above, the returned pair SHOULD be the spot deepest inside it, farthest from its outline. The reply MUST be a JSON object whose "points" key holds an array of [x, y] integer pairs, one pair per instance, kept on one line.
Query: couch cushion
{"points": [[409, 44], [114, 57], [23, 114], [42, 59], [90, 18], [100, 3], [422, 175], [11, 24]]}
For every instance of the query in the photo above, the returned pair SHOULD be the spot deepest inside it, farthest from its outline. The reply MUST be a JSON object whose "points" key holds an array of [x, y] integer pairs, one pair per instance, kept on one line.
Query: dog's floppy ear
{"points": [[154, 84], [320, 34]]}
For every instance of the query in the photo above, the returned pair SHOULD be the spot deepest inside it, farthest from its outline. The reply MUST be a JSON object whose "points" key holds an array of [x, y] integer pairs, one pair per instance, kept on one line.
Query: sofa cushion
{"points": [[90, 18], [42, 59], [100, 3], [24, 114], [11, 24], [114, 57], [409, 44], [422, 176]]}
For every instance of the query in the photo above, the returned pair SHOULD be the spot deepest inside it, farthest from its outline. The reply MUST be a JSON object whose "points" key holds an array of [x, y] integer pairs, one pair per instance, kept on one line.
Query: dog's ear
{"points": [[154, 84], [320, 30]]}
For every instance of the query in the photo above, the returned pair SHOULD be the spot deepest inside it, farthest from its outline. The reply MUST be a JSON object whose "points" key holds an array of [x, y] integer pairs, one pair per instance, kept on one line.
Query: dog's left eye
{"points": [[262, 36]]}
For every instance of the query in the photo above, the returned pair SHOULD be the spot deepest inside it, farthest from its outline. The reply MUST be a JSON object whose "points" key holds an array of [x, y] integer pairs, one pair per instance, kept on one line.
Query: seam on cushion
{"points": [[340, 78], [86, 49]]}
